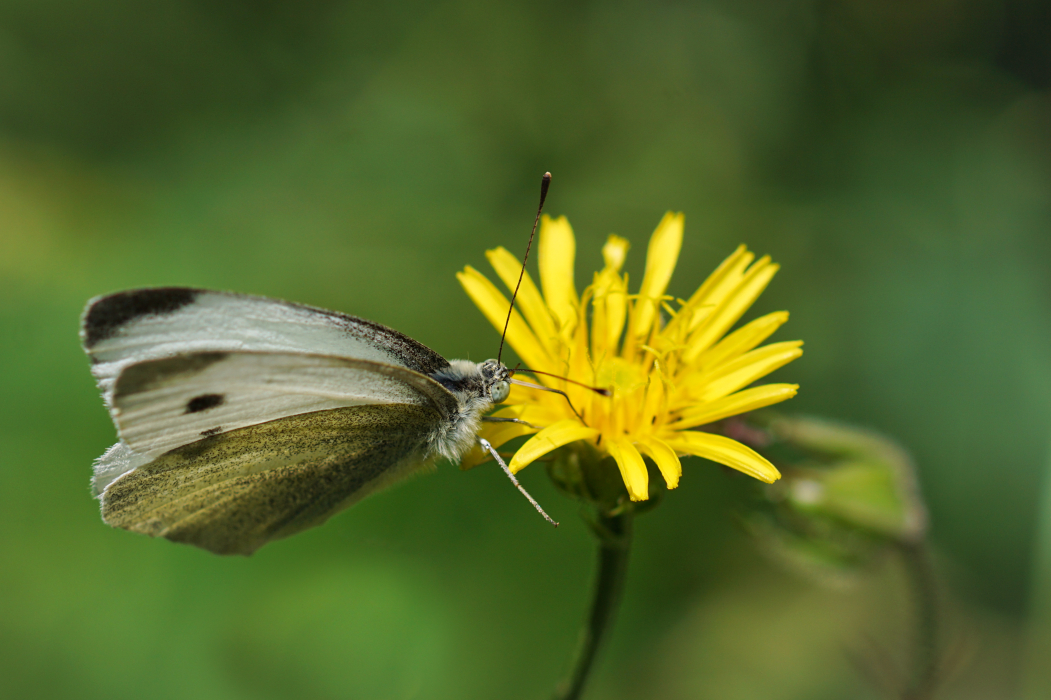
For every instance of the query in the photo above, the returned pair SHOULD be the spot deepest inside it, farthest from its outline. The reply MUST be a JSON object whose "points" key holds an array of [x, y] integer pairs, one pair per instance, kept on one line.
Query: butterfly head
{"points": [[476, 385], [496, 379]]}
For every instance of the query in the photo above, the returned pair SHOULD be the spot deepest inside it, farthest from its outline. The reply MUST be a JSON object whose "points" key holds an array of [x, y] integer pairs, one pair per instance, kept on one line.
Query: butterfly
{"points": [[244, 419]]}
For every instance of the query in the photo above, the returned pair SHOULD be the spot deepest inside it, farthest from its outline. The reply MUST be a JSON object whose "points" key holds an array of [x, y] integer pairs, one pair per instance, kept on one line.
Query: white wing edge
{"points": [[114, 463]]}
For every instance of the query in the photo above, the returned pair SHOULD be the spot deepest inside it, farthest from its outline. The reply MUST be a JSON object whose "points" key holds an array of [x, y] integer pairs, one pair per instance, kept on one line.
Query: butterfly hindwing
{"points": [[233, 492], [162, 404]]}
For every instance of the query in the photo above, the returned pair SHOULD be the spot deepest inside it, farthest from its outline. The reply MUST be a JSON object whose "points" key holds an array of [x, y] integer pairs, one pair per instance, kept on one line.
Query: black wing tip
{"points": [[105, 315]]}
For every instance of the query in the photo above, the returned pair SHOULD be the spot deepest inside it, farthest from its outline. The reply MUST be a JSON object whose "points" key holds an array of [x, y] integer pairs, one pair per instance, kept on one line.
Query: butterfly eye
{"points": [[500, 390]]}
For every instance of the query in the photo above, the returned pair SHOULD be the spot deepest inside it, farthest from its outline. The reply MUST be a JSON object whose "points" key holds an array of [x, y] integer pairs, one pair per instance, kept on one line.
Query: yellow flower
{"points": [[672, 368]]}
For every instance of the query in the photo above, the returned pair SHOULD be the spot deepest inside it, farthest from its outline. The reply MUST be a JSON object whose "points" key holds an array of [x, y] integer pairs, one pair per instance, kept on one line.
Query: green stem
{"points": [[614, 535], [925, 651]]}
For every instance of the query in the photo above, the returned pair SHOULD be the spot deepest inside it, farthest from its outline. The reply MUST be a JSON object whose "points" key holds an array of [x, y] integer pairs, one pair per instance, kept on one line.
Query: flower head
{"points": [[669, 363]]}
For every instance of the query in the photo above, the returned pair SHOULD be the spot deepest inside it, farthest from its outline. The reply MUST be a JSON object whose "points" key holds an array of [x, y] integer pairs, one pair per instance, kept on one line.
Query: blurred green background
{"points": [[895, 157]]}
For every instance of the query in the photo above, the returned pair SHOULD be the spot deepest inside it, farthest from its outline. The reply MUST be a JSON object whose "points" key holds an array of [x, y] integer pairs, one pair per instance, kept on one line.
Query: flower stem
{"points": [[614, 535], [925, 651]]}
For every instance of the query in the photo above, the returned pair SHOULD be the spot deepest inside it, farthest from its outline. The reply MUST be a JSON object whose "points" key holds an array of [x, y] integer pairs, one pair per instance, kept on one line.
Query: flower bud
{"points": [[846, 495]]}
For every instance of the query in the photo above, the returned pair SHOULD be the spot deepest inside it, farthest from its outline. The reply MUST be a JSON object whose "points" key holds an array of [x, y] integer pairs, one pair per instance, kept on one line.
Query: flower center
{"points": [[622, 376]]}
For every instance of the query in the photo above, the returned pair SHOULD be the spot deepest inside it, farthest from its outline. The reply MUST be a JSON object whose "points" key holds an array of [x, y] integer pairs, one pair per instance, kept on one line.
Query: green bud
{"points": [[854, 476], [846, 495]]}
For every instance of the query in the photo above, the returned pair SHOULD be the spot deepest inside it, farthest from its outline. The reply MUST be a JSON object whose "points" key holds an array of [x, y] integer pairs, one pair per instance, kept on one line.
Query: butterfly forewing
{"points": [[147, 324], [162, 404], [234, 492]]}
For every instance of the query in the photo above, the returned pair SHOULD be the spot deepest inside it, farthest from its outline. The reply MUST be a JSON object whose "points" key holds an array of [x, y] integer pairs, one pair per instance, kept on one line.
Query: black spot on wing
{"points": [[212, 431], [204, 402], [105, 317]]}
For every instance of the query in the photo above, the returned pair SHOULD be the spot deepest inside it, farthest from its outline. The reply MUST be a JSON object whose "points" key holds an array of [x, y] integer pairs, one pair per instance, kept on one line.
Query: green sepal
{"points": [[582, 472]]}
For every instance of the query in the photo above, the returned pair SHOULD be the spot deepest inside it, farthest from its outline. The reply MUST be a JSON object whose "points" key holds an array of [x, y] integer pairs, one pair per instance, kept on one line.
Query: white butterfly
{"points": [[244, 419]]}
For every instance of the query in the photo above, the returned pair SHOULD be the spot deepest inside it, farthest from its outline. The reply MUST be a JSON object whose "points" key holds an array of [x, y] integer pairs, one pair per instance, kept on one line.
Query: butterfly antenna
{"points": [[598, 390], [544, 184], [561, 393]]}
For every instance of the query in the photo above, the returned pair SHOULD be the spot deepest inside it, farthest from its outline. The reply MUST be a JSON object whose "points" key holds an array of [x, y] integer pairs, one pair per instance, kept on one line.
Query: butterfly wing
{"points": [[162, 404], [244, 419], [118, 330], [233, 492]]}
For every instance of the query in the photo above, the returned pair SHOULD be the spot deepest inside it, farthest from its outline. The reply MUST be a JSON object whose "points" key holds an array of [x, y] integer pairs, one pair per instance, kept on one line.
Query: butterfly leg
{"points": [[494, 419], [563, 394], [496, 455]]}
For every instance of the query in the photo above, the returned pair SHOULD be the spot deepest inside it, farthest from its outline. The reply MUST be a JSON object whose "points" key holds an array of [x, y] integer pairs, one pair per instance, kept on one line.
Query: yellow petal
{"points": [[742, 340], [615, 252], [664, 457], [508, 268], [610, 301], [494, 305], [550, 438], [735, 404], [579, 363], [720, 283], [661, 257], [475, 456], [731, 309], [608, 314], [655, 405], [500, 432], [540, 400], [556, 251], [497, 434], [632, 468], [532, 413], [746, 369], [725, 451]]}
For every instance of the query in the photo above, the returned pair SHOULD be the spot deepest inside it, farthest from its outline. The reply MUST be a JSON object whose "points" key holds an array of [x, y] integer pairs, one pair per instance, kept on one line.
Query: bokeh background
{"points": [[895, 157]]}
